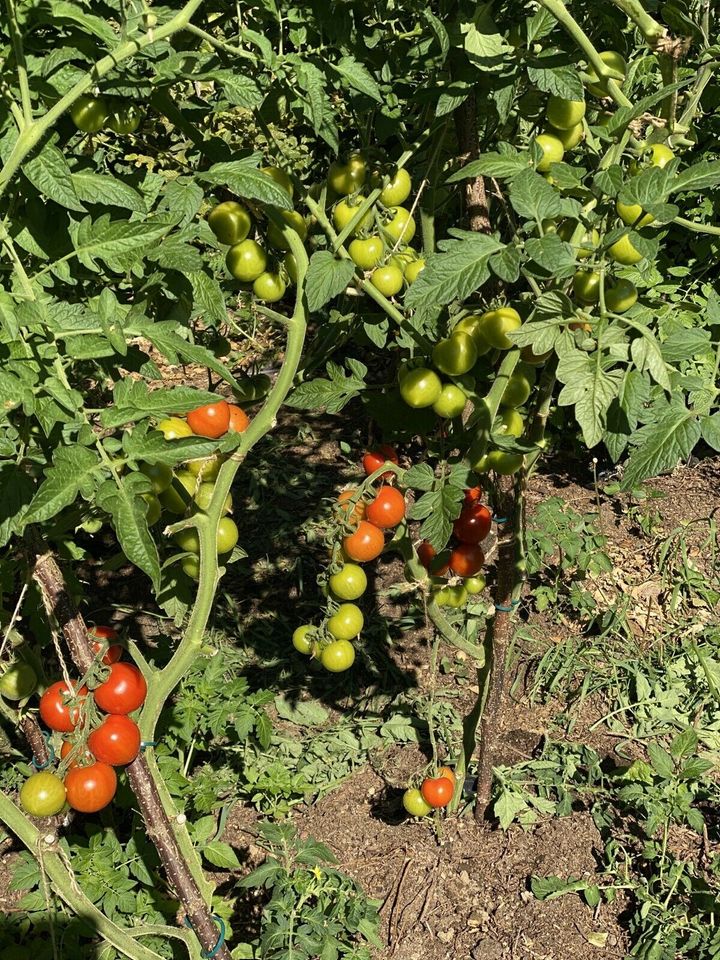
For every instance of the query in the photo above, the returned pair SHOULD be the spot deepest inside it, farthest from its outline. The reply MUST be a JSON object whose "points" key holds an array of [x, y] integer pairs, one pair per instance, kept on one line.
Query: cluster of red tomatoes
{"points": [[93, 744], [434, 793], [364, 520], [191, 488]]}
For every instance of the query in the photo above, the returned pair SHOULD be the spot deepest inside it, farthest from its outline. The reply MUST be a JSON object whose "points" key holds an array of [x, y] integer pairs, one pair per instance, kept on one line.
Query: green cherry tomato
{"points": [[586, 241], [295, 221], [290, 264], [178, 495], [499, 461], [420, 387], [586, 286], [207, 468], [451, 402], [475, 584], [175, 428], [564, 114], [455, 355], [188, 540], [496, 324], [652, 155], [203, 495], [349, 583], [302, 639], [621, 296], [367, 254], [552, 151], [451, 596], [153, 510], [616, 62], [269, 287], [159, 474], [344, 212], [18, 681], [401, 226], [246, 261], [89, 113], [473, 326], [280, 177], [346, 622], [388, 280], [397, 189], [415, 804], [632, 215], [569, 138], [517, 389], [42, 794], [338, 656], [227, 535], [347, 178], [414, 269], [511, 423], [191, 567], [230, 222], [623, 251], [125, 120]]}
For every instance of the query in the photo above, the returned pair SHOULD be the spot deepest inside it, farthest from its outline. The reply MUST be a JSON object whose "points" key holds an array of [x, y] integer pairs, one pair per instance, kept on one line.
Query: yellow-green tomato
{"points": [[178, 495], [517, 389], [302, 639], [511, 423], [204, 494], [454, 595], [397, 189], [18, 681], [280, 177], [616, 63], [207, 468], [368, 253], [295, 221], [496, 324], [246, 261], [552, 151], [455, 355], [420, 387], [474, 585], [346, 622], [343, 214], [414, 269], [346, 178], [174, 428], [451, 402], [632, 214], [338, 656], [388, 280], [159, 474], [621, 296], [569, 138], [415, 804], [89, 113], [586, 286], [584, 244], [401, 226], [349, 583], [623, 251], [473, 325], [290, 264], [191, 567], [124, 120], [42, 794], [227, 535], [269, 287], [499, 461], [153, 509], [188, 540], [230, 222], [652, 155], [564, 114]]}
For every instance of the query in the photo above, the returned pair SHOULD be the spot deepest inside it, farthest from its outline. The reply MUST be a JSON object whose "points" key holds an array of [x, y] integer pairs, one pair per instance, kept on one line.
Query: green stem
{"points": [[649, 27], [20, 63], [219, 44], [697, 227]]}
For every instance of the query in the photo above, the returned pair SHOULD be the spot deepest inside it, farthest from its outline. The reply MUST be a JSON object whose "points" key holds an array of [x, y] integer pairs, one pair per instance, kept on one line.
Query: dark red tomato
{"points": [[81, 757], [365, 543], [437, 791], [89, 789], [123, 691], [466, 559], [54, 708], [473, 524], [239, 420], [113, 651], [427, 554], [116, 741], [387, 509], [376, 458], [472, 494], [210, 420]]}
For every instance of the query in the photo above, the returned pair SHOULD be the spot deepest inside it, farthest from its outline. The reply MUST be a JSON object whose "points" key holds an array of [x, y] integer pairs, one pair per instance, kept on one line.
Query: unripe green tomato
{"points": [[346, 178], [302, 639], [414, 269], [552, 151], [344, 213], [153, 510], [207, 468], [280, 177], [653, 155], [402, 258], [511, 423], [517, 390], [474, 585], [568, 138], [473, 325], [295, 221], [497, 324], [349, 583], [18, 681], [230, 222], [401, 226], [269, 287], [451, 402], [586, 241], [203, 495], [125, 120], [159, 474], [188, 540], [623, 251], [89, 113], [621, 296], [191, 567], [415, 804], [499, 461], [95, 525], [338, 656], [246, 261], [290, 264], [174, 428], [42, 794], [367, 254], [630, 212], [564, 114], [420, 387], [178, 496], [586, 286], [346, 622], [617, 63], [397, 190], [227, 535], [455, 355], [454, 595], [388, 280]]}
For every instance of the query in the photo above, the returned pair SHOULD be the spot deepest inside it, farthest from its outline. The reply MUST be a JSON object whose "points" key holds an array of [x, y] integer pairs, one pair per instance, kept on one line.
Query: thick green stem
{"points": [[649, 27], [697, 227], [20, 64]]}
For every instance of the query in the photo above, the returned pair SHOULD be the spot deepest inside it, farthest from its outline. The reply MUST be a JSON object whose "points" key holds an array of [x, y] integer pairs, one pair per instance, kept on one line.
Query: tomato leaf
{"points": [[551, 75], [128, 510], [532, 197], [357, 76], [332, 394], [327, 277], [49, 173], [502, 166], [101, 188], [710, 427], [589, 388], [72, 468], [245, 179], [661, 445], [221, 855], [461, 269]]}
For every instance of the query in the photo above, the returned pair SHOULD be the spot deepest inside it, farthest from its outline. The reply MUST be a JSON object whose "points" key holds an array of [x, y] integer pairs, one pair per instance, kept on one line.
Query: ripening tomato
{"points": [[511, 423], [451, 402], [230, 222], [280, 177], [346, 622], [160, 475], [346, 178], [344, 213], [397, 189], [174, 428], [116, 741], [437, 791], [210, 420], [207, 468], [55, 710], [474, 585], [338, 656], [246, 261], [466, 559], [517, 389], [302, 639], [42, 794], [564, 114], [18, 681], [631, 214], [113, 651], [414, 803], [455, 355], [377, 457], [472, 325], [432, 561], [586, 286], [621, 296], [552, 151], [91, 788], [388, 280], [623, 251], [569, 138], [239, 420], [503, 463], [414, 269], [401, 227], [449, 773], [616, 63], [349, 511], [368, 253], [496, 324], [420, 387], [473, 524], [124, 120], [387, 509], [349, 583], [365, 543], [89, 113], [123, 691], [77, 753]]}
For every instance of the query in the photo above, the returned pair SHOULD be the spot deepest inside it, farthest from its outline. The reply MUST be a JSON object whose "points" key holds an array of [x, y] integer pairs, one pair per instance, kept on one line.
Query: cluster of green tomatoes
{"points": [[93, 114]]}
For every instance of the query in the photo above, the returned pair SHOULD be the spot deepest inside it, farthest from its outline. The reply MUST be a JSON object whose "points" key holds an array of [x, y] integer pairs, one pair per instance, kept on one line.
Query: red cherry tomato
{"points": [[113, 651], [352, 513], [449, 773], [123, 691], [427, 554], [89, 789], [472, 494], [210, 420], [437, 791], [387, 509], [466, 559], [81, 756], [54, 708], [116, 741], [365, 543], [473, 524], [239, 420], [376, 458]]}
